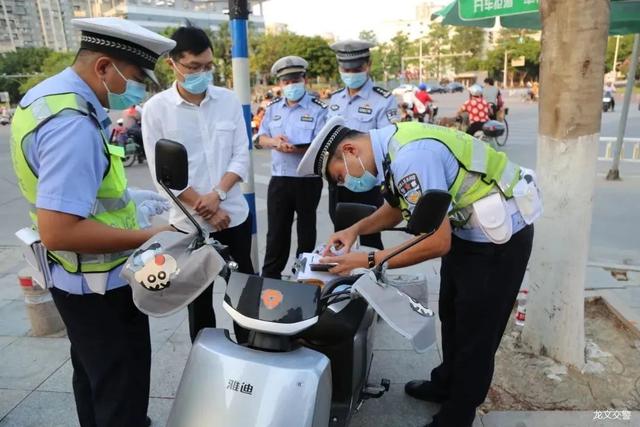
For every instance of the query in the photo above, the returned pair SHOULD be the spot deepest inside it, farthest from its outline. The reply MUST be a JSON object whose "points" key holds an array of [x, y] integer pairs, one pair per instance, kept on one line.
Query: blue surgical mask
{"points": [[359, 184], [197, 83], [134, 94], [294, 91], [354, 80]]}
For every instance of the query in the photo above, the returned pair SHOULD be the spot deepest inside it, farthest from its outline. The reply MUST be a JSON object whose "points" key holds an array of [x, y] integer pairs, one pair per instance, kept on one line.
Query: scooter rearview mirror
{"points": [[348, 214], [172, 165], [429, 212], [425, 220], [172, 173]]}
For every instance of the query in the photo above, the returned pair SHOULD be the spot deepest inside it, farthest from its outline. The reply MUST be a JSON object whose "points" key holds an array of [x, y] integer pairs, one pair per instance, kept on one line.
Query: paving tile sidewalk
{"points": [[35, 373]]}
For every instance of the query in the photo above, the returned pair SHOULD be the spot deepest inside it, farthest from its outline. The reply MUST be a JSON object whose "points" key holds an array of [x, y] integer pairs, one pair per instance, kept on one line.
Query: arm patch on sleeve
{"points": [[409, 188]]}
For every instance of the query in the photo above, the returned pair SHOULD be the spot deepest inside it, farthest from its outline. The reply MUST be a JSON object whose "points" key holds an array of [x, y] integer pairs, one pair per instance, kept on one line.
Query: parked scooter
{"points": [[309, 352], [607, 102]]}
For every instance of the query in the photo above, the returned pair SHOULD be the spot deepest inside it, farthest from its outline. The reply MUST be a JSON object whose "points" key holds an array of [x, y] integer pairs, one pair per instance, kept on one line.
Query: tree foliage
{"points": [[53, 64], [624, 51], [516, 46], [467, 40], [21, 61], [368, 36], [268, 48]]}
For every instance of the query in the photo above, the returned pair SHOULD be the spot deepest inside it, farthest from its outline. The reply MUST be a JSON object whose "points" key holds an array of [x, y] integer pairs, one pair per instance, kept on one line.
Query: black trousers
{"points": [[285, 196], [478, 288], [373, 197], [475, 127], [110, 354], [201, 314]]}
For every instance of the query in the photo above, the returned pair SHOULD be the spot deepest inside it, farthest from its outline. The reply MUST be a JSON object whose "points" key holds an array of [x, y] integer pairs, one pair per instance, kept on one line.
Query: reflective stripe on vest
{"points": [[482, 169], [113, 206]]}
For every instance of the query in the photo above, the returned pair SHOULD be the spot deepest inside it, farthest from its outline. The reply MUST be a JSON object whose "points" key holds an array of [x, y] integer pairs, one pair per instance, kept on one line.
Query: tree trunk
{"points": [[574, 41]]}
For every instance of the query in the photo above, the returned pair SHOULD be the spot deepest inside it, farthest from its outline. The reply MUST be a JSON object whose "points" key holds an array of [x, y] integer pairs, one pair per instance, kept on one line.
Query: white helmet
{"points": [[475, 90], [120, 121]]}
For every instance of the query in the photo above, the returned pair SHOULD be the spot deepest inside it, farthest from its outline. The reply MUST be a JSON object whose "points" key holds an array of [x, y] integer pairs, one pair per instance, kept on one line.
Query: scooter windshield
{"points": [[404, 314]]}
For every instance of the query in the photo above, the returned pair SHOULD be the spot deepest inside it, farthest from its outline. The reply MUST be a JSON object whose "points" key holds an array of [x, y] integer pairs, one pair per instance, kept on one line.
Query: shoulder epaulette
{"points": [[318, 102], [275, 100], [381, 91], [338, 90]]}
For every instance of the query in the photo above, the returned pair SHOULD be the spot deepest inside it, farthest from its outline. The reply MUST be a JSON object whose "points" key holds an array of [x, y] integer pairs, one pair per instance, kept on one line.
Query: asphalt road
{"points": [[615, 233]]}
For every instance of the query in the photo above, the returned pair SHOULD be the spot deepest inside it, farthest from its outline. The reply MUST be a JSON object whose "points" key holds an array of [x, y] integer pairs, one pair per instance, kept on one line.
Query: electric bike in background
{"points": [[607, 101], [131, 140], [309, 351]]}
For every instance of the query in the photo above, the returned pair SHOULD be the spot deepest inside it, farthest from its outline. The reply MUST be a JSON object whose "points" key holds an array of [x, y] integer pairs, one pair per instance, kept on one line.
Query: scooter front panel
{"points": [[227, 385]]}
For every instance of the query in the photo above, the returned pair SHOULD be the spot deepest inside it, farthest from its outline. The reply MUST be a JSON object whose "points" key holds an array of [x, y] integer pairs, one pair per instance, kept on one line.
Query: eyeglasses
{"points": [[196, 69]]}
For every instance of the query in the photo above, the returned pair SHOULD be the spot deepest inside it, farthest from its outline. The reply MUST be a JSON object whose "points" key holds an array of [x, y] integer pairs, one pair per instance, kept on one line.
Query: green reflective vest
{"points": [[482, 169], [113, 207]]}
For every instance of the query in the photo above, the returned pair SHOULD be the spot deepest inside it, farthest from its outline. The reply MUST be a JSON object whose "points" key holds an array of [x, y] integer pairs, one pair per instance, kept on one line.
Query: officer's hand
{"points": [[278, 142], [207, 205], [287, 148], [347, 263], [341, 239], [220, 220]]}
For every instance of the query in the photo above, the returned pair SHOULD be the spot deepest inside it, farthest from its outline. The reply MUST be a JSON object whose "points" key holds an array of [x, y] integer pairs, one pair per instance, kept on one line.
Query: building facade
{"points": [[47, 23]]}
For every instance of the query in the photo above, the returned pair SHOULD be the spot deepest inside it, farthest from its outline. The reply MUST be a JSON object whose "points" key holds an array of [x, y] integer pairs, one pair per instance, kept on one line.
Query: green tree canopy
{"points": [[467, 40], [397, 49], [515, 46], [22, 61], [53, 64], [269, 48], [624, 50], [368, 36]]}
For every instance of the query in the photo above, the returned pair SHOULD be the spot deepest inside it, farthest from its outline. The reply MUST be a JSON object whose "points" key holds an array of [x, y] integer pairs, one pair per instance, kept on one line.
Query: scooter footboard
{"points": [[227, 385]]}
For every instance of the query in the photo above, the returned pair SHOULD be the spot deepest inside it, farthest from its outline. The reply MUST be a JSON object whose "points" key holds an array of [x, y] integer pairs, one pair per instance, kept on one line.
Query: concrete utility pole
{"points": [[504, 73], [238, 17], [574, 34], [615, 58], [614, 172]]}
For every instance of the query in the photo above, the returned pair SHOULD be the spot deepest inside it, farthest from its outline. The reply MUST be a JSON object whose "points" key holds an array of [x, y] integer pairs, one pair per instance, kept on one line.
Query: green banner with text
{"points": [[481, 9]]}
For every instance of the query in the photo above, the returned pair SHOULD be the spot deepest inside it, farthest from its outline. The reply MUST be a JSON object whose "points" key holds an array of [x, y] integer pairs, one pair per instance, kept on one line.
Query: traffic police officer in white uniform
{"points": [[290, 123], [485, 245], [363, 107], [87, 217]]}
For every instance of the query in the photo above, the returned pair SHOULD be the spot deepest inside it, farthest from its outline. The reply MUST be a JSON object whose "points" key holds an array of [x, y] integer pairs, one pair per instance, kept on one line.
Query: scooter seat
{"points": [[272, 306]]}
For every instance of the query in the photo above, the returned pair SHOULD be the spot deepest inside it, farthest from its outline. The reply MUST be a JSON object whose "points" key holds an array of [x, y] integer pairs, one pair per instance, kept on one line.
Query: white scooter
{"points": [[309, 352]]}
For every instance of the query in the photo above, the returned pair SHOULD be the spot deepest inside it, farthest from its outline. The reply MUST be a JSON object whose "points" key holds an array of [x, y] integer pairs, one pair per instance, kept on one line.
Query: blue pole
{"points": [[238, 17]]}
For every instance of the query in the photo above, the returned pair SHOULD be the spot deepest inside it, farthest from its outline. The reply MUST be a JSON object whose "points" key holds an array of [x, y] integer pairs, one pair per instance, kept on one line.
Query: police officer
{"points": [[363, 107], [485, 245], [289, 125], [75, 184]]}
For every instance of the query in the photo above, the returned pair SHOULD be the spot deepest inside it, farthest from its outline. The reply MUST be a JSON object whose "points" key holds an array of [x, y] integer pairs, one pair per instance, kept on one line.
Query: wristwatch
{"points": [[371, 258], [221, 194]]}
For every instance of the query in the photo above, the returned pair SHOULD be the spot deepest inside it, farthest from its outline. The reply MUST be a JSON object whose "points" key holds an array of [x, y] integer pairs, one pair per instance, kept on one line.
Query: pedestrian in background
{"points": [[289, 125]]}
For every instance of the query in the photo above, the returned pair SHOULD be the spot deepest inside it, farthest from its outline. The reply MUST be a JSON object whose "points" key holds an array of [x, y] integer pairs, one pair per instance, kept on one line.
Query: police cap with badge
{"points": [[322, 147], [288, 66], [124, 40], [352, 53]]}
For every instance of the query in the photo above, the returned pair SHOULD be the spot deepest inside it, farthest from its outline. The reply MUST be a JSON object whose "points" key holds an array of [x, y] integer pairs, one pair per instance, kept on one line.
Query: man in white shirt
{"points": [[208, 121]]}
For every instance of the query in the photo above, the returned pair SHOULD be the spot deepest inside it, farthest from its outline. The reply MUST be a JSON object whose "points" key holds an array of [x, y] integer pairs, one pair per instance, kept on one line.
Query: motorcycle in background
{"points": [[131, 140], [607, 102]]}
